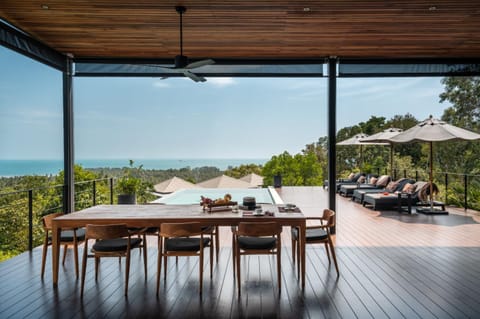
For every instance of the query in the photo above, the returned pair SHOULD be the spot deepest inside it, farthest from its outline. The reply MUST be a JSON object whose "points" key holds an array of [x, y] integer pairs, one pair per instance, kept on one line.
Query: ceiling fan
{"points": [[181, 61]]}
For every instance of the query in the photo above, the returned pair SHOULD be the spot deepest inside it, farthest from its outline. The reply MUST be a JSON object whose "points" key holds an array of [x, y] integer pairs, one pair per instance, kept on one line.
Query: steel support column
{"points": [[332, 132], [68, 156]]}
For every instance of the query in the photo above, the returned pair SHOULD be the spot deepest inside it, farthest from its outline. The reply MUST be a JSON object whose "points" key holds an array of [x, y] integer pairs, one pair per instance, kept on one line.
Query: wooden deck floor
{"points": [[392, 266]]}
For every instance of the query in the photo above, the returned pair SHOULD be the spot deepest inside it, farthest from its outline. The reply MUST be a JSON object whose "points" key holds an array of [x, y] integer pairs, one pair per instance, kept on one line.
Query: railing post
{"points": [[30, 220], [416, 175], [404, 173], [465, 183], [446, 188], [94, 192], [111, 190]]}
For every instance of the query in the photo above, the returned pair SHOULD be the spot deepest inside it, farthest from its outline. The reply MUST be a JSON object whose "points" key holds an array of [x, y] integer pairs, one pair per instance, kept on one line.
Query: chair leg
{"points": [[127, 271], [44, 253], [294, 246], [298, 258], [166, 267], [75, 256], [84, 266], [159, 263], [211, 260], [145, 255], [279, 266], [64, 254], [328, 253], [234, 261], [217, 242], [332, 249], [201, 270], [237, 260], [97, 263]]}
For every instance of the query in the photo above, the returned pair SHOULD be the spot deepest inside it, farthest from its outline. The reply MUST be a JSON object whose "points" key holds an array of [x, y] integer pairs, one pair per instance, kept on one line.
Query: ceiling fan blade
{"points": [[194, 77], [200, 63]]}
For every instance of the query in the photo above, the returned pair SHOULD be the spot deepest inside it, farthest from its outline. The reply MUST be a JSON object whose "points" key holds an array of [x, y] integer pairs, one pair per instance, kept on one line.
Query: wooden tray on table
{"points": [[219, 207]]}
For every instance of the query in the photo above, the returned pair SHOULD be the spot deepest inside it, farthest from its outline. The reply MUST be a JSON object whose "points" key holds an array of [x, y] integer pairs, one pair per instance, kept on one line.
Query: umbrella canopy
{"points": [[433, 130], [253, 179], [172, 185], [357, 140], [224, 181], [384, 137]]}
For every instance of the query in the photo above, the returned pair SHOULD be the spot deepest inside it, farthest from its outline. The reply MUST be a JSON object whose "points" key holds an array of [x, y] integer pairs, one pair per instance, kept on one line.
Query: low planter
{"points": [[127, 199]]}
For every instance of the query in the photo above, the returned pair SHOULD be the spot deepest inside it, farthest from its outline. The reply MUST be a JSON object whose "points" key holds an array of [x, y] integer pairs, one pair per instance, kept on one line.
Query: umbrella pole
{"points": [[361, 157], [391, 159], [431, 176]]}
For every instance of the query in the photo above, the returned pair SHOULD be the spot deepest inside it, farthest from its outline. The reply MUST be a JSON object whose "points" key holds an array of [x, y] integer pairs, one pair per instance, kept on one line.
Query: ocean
{"points": [[10, 168]]}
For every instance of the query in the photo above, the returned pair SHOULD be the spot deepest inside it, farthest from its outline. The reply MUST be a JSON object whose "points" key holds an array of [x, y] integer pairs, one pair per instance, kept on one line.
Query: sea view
{"points": [[9, 168]]}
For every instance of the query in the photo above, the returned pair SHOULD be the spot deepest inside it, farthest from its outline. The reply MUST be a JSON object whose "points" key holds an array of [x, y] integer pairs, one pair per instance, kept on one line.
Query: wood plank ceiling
{"points": [[253, 29]]}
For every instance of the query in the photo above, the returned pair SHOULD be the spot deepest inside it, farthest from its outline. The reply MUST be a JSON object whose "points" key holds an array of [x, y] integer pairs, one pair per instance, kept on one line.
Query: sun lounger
{"points": [[353, 180], [380, 183], [358, 194], [389, 201]]}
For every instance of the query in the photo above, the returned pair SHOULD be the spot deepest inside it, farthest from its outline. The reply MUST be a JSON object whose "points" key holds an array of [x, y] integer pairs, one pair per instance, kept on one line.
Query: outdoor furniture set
{"points": [[382, 193], [185, 230]]}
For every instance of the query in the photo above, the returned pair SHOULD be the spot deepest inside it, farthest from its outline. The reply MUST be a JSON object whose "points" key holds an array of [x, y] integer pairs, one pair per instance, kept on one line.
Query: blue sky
{"points": [[178, 118]]}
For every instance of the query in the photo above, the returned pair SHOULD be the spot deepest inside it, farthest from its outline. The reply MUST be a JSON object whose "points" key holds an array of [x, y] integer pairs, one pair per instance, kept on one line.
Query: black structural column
{"points": [[332, 132], [68, 156]]}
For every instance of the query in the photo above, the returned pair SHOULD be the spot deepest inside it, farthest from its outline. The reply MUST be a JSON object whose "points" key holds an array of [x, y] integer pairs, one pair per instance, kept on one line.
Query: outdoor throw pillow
{"points": [[391, 186], [361, 179], [383, 180], [350, 177], [373, 180], [408, 188]]}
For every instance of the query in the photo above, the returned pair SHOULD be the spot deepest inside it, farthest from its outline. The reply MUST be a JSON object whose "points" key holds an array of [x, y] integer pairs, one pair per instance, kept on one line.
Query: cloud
{"points": [[221, 82], [161, 84]]}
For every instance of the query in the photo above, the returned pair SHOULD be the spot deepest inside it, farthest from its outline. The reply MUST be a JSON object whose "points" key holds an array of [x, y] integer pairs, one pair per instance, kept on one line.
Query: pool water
{"points": [[192, 196]]}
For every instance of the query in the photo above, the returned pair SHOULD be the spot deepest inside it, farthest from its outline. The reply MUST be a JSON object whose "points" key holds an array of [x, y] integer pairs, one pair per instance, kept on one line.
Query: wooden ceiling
{"points": [[252, 28]]}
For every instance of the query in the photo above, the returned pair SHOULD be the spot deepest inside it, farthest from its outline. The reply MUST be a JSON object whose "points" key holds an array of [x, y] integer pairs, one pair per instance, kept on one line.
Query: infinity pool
{"points": [[192, 196]]}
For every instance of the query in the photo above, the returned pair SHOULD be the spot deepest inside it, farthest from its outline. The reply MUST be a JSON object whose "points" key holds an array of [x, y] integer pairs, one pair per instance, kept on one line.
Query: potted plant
{"points": [[128, 185]]}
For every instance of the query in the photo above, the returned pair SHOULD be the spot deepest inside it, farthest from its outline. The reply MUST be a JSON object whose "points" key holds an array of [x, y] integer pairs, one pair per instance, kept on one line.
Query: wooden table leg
{"points": [[302, 252], [55, 251]]}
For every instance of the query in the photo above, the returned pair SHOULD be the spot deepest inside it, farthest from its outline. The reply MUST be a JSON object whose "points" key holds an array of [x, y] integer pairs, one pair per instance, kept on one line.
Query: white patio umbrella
{"points": [[357, 140], [433, 130], [384, 137]]}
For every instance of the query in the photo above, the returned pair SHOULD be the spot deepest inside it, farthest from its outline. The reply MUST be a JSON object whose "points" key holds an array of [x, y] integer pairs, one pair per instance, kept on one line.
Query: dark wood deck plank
{"points": [[392, 266]]}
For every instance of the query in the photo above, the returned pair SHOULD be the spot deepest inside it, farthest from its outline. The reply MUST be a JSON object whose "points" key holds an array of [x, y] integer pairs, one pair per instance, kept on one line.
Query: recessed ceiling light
{"points": [[45, 6], [306, 9], [432, 8]]}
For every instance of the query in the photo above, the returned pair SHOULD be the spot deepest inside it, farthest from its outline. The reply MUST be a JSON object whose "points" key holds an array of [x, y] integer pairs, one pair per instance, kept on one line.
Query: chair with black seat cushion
{"points": [[317, 234], [177, 239], [68, 237], [261, 238], [110, 241]]}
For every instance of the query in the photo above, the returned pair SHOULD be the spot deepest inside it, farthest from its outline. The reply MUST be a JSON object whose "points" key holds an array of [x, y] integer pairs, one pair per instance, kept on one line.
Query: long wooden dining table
{"points": [[153, 215]]}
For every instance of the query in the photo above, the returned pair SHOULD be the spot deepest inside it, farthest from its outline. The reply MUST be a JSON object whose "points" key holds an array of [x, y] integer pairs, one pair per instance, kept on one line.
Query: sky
{"points": [[152, 118]]}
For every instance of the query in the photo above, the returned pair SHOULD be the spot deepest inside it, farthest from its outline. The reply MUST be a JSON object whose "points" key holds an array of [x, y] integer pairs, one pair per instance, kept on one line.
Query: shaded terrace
{"points": [[392, 266]]}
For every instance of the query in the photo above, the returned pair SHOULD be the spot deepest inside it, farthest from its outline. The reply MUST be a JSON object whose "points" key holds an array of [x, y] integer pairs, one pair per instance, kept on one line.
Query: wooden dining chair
{"points": [[261, 238], [317, 234], [110, 241], [183, 239], [68, 237]]}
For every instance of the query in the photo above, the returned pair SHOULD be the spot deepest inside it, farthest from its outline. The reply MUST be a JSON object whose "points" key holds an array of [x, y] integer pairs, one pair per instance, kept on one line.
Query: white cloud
{"points": [[221, 82], [161, 84]]}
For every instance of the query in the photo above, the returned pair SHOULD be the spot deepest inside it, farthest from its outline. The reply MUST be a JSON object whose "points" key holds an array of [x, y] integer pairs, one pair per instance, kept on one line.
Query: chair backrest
{"points": [[47, 220], [180, 229], [258, 229], [106, 231], [329, 217]]}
